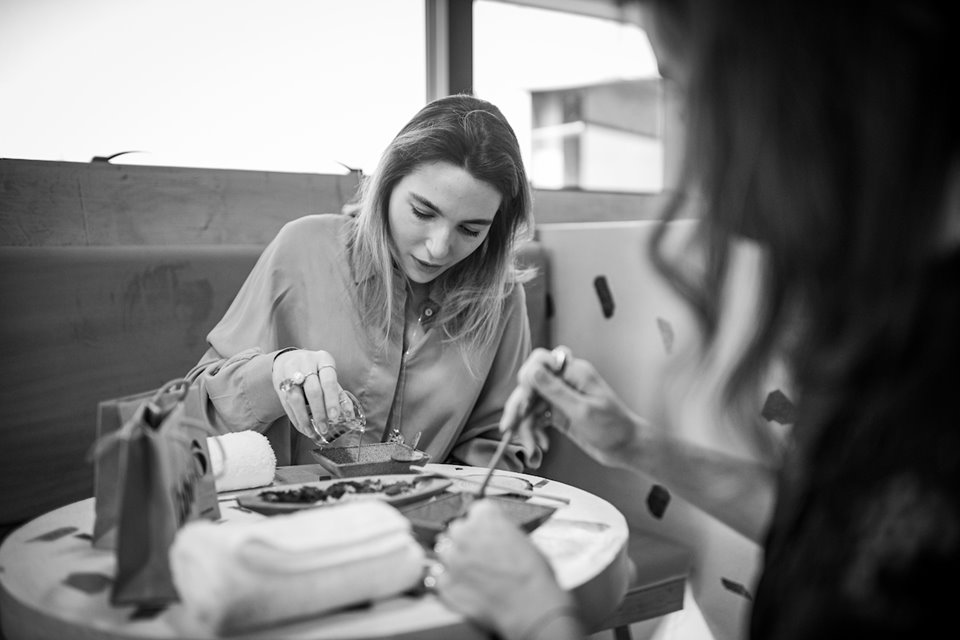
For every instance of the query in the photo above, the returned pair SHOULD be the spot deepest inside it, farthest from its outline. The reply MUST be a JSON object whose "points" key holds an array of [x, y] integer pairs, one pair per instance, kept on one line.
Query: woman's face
{"points": [[439, 214]]}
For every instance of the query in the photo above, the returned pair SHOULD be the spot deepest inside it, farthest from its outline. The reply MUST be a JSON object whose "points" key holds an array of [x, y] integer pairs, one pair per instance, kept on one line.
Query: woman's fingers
{"points": [[582, 404], [521, 401], [322, 391], [566, 391], [308, 389], [493, 572], [526, 409], [512, 408], [295, 406]]}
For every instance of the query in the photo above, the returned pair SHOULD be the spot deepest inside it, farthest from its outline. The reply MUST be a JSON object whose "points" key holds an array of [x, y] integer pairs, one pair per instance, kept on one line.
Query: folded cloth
{"points": [[243, 460], [241, 575]]}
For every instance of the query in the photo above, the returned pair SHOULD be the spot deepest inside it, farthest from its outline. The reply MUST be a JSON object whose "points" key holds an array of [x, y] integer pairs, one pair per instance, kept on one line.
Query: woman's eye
{"points": [[423, 215], [469, 232]]}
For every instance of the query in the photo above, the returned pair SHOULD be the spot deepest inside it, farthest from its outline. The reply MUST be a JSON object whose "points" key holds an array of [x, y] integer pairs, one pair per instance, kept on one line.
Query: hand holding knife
{"points": [[534, 402]]}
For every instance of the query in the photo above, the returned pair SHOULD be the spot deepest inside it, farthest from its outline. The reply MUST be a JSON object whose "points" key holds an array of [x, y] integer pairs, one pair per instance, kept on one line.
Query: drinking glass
{"points": [[351, 419]]}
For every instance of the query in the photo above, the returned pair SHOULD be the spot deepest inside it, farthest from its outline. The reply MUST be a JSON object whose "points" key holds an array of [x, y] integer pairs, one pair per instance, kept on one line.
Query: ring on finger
{"points": [[296, 380]]}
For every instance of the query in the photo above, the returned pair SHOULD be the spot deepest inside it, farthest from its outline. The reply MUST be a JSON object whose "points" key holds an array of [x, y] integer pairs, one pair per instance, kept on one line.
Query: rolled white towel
{"points": [[241, 575], [243, 460]]}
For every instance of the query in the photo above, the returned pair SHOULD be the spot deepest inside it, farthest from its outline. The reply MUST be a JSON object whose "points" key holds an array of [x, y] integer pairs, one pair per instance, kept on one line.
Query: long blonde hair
{"points": [[473, 134]]}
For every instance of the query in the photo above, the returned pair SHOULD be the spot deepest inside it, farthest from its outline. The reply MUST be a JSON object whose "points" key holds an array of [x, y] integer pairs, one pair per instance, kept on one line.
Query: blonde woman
{"points": [[414, 303]]}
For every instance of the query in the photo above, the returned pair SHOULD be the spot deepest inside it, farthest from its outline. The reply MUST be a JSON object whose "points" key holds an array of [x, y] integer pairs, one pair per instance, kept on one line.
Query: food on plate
{"points": [[336, 491], [394, 490]]}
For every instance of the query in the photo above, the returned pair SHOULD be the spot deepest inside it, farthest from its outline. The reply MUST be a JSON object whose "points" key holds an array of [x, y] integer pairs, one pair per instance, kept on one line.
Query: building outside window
{"points": [[584, 93]]}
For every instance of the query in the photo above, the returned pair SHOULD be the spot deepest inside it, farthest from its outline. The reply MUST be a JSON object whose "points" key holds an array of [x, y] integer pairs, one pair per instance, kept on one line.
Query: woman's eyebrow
{"points": [[425, 203], [429, 205]]}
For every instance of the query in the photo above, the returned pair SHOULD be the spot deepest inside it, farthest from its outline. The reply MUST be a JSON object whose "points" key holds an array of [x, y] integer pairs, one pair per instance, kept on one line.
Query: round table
{"points": [[54, 584]]}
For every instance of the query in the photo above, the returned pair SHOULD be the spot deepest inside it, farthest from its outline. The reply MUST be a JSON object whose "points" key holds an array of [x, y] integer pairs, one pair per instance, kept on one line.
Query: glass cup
{"points": [[351, 419]]}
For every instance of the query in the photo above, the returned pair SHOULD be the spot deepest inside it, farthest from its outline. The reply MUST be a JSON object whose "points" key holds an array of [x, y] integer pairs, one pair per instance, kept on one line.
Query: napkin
{"points": [[245, 574], [243, 459]]}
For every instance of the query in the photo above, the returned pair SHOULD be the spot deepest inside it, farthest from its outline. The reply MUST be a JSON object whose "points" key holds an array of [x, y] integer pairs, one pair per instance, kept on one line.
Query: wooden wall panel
{"points": [[95, 204]]}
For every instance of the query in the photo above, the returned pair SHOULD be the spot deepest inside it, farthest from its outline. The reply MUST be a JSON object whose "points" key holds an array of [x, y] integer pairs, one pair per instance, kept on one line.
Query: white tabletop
{"points": [[55, 584]]}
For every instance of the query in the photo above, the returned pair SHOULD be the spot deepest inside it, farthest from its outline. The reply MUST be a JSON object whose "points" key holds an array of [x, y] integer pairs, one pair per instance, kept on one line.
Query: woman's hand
{"points": [[580, 402], [306, 382], [492, 573]]}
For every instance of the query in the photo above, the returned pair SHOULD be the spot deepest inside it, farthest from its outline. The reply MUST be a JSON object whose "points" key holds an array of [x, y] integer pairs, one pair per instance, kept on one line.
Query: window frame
{"points": [[448, 51]]}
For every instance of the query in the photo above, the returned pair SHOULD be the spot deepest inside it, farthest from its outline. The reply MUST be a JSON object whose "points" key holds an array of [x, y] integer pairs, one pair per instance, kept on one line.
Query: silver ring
{"points": [[295, 380], [312, 373]]}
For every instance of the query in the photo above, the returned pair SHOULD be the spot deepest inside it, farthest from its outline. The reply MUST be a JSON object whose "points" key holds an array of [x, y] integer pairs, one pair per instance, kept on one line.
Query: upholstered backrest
{"points": [[83, 324], [532, 254]]}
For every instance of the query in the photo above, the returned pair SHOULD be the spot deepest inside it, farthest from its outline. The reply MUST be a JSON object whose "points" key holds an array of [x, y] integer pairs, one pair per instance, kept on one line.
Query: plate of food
{"points": [[394, 489]]}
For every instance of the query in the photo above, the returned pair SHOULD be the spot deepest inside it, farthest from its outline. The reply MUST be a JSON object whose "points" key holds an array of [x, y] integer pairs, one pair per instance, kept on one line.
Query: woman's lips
{"points": [[427, 266]]}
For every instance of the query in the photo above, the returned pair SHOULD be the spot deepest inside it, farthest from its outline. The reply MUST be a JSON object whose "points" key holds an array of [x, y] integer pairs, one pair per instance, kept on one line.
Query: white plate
{"points": [[499, 484], [425, 488]]}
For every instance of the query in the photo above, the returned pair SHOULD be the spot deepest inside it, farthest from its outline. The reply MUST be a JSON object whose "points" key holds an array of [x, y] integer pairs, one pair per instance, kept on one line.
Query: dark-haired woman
{"points": [[823, 132]]}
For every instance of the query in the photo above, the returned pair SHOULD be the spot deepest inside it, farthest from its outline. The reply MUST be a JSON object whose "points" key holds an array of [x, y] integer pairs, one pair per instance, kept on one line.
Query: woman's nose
{"points": [[438, 241]]}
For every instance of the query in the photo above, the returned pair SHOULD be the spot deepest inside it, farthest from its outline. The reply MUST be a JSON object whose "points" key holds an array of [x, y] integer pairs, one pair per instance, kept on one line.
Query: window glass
{"points": [[280, 85], [583, 94]]}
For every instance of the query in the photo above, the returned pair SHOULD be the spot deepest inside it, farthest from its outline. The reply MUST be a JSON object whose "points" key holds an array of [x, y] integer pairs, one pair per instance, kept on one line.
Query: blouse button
{"points": [[428, 312]]}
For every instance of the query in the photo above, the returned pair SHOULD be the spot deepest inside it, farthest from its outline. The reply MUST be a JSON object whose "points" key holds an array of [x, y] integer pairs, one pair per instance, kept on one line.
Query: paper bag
{"points": [[153, 474], [111, 415]]}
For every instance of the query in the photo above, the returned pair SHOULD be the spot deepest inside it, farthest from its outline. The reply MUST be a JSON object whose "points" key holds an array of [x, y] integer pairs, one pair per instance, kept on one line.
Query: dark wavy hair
{"points": [[472, 134], [826, 132]]}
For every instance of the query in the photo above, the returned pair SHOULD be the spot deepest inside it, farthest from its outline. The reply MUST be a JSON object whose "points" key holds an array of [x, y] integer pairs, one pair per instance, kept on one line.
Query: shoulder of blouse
{"points": [[319, 227], [317, 234]]}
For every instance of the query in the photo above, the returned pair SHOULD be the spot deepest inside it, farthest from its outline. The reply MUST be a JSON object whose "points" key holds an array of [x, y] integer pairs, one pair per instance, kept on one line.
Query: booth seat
{"points": [[84, 324]]}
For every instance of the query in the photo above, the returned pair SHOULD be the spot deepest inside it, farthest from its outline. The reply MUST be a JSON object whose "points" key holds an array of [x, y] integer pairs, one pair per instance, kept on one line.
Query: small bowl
{"points": [[383, 458]]}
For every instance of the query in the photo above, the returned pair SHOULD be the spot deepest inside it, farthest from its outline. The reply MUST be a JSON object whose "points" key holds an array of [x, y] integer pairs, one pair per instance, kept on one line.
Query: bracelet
{"points": [[563, 611], [283, 351]]}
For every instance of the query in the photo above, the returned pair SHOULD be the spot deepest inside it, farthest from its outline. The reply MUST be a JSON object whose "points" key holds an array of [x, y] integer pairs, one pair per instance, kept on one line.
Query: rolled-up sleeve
{"points": [[240, 388]]}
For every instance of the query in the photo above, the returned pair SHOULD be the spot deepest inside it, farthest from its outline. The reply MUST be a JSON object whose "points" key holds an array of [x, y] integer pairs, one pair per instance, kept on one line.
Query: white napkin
{"points": [[239, 575], [243, 460]]}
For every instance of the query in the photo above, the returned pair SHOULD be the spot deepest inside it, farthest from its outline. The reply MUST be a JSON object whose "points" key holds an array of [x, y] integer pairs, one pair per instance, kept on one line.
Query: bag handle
{"points": [[154, 412]]}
